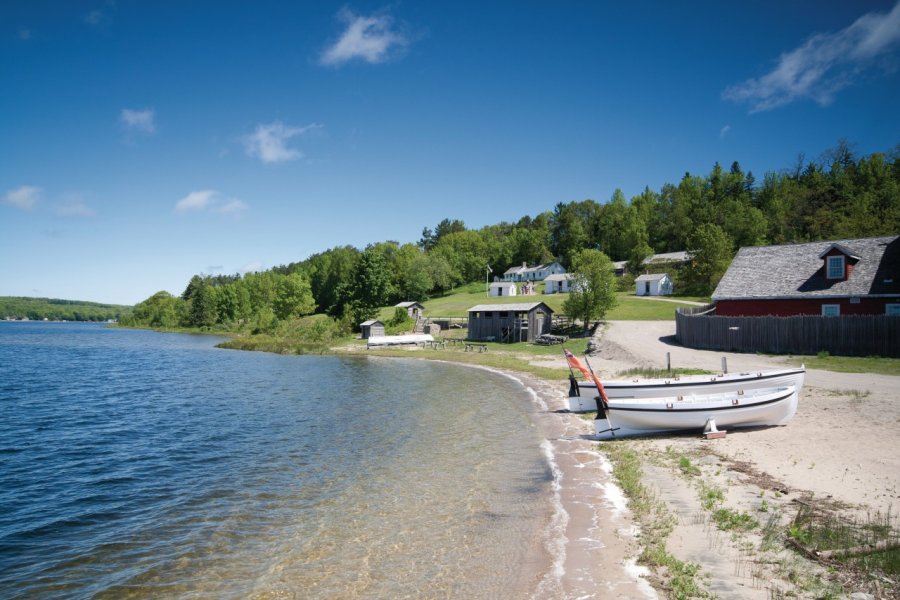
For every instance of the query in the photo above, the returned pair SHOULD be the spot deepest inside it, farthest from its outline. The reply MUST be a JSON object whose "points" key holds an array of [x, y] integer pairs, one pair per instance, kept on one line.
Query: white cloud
{"points": [[195, 201], [251, 267], [25, 197], [269, 142], [142, 121], [724, 131], [230, 207], [212, 201], [823, 65], [73, 205], [372, 39]]}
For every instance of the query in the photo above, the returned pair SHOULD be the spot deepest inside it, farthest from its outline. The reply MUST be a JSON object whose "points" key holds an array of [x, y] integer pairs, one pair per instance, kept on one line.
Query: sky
{"points": [[145, 141]]}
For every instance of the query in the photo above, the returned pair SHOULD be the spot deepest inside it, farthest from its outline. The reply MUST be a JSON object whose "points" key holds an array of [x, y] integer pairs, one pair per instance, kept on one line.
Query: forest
{"points": [[12, 307], [837, 196]]}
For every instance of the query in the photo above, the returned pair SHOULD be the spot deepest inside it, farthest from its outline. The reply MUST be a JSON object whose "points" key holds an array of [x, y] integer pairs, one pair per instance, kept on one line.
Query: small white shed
{"points": [[558, 283], [503, 288], [657, 284]]}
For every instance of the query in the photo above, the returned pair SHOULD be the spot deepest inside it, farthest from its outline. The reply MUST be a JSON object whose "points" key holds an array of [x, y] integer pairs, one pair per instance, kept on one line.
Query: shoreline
{"points": [[838, 451]]}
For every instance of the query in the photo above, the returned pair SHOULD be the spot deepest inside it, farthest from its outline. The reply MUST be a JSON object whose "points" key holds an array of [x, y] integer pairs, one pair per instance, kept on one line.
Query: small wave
{"points": [[556, 539]]}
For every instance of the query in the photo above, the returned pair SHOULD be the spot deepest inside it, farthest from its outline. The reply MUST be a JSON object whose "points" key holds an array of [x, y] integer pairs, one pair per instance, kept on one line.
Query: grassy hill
{"points": [[630, 307], [36, 309]]}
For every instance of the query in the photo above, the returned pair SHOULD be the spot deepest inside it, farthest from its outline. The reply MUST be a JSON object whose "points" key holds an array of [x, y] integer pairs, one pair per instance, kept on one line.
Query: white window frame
{"points": [[834, 267], [831, 310], [892, 310]]}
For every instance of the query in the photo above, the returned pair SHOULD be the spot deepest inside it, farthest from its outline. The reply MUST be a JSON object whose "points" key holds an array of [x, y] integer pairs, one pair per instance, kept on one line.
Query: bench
{"points": [[476, 347], [435, 344]]}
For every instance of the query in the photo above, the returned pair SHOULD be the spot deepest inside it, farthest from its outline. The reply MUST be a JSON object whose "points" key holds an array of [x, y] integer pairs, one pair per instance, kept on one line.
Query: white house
{"points": [[535, 273], [502, 288], [557, 283], [658, 284]]}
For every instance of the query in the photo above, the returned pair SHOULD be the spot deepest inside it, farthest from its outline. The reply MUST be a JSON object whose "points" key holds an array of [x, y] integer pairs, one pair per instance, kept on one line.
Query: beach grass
{"points": [[849, 364]]}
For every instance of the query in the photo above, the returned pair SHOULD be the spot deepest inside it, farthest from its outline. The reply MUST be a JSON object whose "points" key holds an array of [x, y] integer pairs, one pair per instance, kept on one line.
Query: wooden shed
{"points": [[413, 309], [371, 328], [522, 322]]}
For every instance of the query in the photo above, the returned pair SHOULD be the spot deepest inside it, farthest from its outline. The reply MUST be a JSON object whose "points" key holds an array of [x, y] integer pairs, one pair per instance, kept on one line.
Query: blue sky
{"points": [[144, 142]]}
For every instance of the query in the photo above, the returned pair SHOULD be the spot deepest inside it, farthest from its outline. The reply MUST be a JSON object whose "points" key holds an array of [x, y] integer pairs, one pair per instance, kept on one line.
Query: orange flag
{"points": [[576, 364]]}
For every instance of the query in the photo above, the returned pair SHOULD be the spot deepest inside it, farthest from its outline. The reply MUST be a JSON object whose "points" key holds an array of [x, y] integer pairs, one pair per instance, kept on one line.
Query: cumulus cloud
{"points": [[211, 201], [824, 64], [269, 142], [142, 121], [724, 131], [24, 197], [372, 39]]}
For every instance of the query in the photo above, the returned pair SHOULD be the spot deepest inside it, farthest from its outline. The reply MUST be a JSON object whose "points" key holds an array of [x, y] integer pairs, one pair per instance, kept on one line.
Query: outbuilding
{"points": [[502, 288], [558, 283], [657, 284], [522, 322], [413, 309], [372, 328]]}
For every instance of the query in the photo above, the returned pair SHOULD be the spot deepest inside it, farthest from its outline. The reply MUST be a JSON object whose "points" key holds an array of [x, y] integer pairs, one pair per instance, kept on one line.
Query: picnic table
{"points": [[475, 347]]}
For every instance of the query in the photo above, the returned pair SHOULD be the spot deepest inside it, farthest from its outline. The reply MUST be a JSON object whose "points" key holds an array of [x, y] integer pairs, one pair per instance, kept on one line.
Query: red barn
{"points": [[844, 277]]}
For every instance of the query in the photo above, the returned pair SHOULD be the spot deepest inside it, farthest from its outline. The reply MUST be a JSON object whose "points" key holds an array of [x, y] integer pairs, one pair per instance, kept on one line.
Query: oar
{"points": [[573, 383], [602, 400]]}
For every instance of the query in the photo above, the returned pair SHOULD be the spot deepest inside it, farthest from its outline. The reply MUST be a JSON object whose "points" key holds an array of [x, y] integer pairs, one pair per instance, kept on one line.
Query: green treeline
{"points": [[58, 310], [838, 196]]}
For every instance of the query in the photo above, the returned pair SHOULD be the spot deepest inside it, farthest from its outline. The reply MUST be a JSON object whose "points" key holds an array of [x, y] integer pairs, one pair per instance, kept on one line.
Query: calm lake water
{"points": [[141, 464]]}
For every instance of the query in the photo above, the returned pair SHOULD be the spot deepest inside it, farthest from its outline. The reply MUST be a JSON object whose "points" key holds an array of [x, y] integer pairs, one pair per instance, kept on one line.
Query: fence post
{"points": [[668, 361], [724, 365]]}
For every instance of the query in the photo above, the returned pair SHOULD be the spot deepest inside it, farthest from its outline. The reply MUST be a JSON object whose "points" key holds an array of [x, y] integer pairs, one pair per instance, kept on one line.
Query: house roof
{"points": [[652, 277], [795, 271], [681, 256], [520, 306], [559, 277], [527, 269], [407, 304]]}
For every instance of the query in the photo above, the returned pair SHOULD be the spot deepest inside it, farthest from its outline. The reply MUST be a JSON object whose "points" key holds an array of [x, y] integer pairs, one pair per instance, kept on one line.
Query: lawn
{"points": [[630, 307]]}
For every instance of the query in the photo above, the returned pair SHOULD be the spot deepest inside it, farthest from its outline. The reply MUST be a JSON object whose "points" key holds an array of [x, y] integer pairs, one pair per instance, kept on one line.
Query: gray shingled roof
{"points": [[521, 306], [652, 277], [558, 277], [796, 271]]}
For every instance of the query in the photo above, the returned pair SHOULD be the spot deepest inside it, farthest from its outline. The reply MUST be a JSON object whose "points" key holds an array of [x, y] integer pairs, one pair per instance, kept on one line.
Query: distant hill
{"points": [[37, 309]]}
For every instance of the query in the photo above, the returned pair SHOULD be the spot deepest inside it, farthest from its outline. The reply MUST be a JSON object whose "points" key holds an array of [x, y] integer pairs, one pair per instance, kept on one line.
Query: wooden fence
{"points": [[854, 335]]}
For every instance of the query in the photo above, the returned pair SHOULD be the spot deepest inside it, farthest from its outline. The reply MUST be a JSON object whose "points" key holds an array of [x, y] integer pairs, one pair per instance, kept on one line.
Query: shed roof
{"points": [[370, 322], [408, 304], [652, 277], [681, 256], [559, 277], [795, 271], [503, 283], [519, 306]]}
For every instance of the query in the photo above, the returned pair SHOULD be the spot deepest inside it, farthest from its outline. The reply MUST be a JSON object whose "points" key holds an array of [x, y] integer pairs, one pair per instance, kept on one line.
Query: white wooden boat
{"points": [[583, 394], [646, 416]]}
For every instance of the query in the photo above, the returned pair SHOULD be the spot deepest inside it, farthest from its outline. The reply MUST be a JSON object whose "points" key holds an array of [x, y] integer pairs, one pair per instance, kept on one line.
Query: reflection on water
{"points": [[138, 464]]}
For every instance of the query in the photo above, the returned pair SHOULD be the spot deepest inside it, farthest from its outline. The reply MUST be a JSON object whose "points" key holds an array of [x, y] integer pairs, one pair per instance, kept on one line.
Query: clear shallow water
{"points": [[139, 464]]}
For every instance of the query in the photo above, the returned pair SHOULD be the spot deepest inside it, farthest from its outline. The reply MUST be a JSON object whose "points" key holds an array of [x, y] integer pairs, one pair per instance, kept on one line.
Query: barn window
{"points": [[831, 310], [502, 314], [489, 314], [835, 267], [892, 310]]}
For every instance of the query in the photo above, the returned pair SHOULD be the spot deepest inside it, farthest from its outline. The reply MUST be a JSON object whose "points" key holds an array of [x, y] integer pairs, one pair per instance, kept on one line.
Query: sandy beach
{"points": [[839, 449]]}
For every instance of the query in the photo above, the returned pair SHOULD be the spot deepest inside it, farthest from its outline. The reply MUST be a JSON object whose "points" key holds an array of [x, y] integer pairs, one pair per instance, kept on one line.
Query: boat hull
{"points": [[646, 416], [584, 398]]}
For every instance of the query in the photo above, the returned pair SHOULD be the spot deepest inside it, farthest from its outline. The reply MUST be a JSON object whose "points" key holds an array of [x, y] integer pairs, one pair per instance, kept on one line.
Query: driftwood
{"points": [[830, 555]]}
